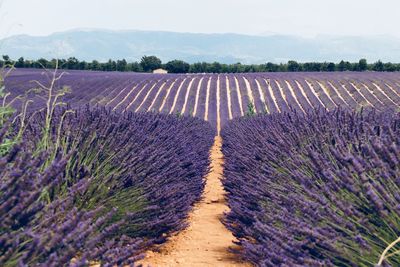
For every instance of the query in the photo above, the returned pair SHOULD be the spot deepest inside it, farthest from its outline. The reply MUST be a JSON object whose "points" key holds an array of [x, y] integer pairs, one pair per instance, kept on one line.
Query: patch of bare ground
{"points": [[206, 242]]}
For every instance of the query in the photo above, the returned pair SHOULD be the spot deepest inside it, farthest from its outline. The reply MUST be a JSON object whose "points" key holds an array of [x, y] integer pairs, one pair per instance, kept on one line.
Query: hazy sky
{"points": [[299, 17]]}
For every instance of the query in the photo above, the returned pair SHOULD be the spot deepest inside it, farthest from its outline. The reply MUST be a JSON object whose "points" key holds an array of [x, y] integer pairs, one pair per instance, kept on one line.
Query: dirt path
{"points": [[218, 106], [262, 97], [166, 95], [228, 97], [177, 96], [206, 241], [207, 100], [239, 95], [187, 95], [271, 92], [250, 93], [291, 90], [336, 90], [196, 102], [138, 94], [384, 93], [155, 98]]}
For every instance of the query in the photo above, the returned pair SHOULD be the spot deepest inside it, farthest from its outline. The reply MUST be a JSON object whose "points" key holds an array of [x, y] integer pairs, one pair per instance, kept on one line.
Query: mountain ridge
{"points": [[101, 44]]}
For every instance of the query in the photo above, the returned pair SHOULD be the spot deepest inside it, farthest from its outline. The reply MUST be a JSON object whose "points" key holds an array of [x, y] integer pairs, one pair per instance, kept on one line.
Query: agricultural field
{"points": [[112, 169], [321, 190], [218, 98], [99, 188]]}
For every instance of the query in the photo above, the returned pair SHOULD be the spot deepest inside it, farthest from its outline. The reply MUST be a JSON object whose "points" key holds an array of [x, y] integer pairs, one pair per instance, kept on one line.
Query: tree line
{"points": [[150, 63]]}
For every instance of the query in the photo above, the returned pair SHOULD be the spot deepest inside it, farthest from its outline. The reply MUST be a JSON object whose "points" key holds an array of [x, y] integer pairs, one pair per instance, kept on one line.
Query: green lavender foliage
{"points": [[5, 114], [251, 111]]}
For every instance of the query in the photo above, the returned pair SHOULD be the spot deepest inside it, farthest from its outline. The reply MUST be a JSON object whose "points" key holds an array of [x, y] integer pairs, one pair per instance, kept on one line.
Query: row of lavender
{"points": [[219, 98], [101, 188], [320, 190]]}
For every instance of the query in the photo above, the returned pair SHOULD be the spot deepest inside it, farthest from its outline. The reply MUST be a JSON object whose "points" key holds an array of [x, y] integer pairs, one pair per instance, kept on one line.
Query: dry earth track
{"points": [[206, 241]]}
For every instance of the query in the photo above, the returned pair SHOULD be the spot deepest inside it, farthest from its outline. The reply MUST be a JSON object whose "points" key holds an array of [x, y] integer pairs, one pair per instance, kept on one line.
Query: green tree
{"points": [[62, 63], [83, 65], [378, 66], [52, 63], [237, 67], [362, 65], [215, 67], [20, 63], [95, 65], [196, 68], [342, 66], [7, 60], [331, 66], [225, 68], [177, 66], [111, 65], [271, 67], [122, 65], [72, 63], [150, 63], [293, 66], [135, 66], [43, 63], [389, 67]]}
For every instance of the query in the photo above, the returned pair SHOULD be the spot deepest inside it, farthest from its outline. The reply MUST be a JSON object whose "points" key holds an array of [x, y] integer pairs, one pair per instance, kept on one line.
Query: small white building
{"points": [[160, 71]]}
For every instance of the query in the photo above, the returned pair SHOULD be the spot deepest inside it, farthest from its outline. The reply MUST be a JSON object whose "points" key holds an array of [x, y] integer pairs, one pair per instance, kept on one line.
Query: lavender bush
{"points": [[41, 231], [109, 186], [320, 190]]}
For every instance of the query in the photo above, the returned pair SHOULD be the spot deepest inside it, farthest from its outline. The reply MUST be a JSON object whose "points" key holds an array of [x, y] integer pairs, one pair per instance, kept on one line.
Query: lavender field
{"points": [[218, 98], [100, 167], [199, 133], [321, 190], [103, 187]]}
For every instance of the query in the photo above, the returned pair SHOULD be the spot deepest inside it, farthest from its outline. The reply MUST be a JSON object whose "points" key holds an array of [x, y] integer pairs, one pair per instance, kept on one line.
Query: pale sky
{"points": [[298, 17]]}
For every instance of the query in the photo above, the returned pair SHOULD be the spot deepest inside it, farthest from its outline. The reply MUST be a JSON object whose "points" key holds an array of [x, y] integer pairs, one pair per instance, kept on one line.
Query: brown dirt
{"points": [[207, 99], [187, 96], [196, 103], [177, 96], [291, 90], [239, 96], [206, 241], [228, 96], [271, 92], [384, 93]]}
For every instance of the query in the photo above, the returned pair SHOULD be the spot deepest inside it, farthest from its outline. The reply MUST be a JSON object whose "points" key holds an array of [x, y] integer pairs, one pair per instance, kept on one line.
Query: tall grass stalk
{"points": [[53, 101], [387, 249]]}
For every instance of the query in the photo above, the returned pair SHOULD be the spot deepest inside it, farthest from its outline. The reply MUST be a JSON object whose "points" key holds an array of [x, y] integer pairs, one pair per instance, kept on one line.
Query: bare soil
{"points": [[206, 242]]}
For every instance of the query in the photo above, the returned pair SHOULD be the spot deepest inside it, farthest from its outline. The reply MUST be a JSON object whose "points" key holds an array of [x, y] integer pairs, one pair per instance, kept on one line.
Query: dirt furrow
{"points": [[206, 241]]}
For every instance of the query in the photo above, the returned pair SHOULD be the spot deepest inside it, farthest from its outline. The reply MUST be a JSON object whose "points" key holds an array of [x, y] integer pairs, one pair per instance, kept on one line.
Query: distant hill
{"points": [[192, 47]]}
